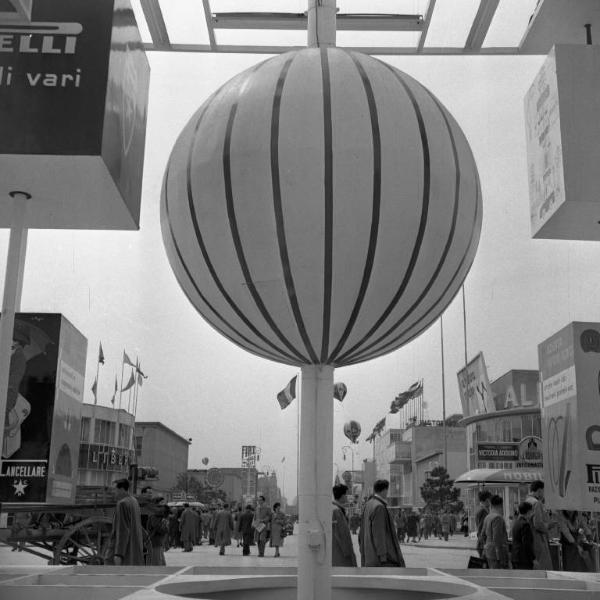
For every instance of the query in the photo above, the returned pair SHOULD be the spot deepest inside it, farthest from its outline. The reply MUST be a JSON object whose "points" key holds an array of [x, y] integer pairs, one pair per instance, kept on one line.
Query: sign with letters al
{"points": [[570, 375], [73, 100]]}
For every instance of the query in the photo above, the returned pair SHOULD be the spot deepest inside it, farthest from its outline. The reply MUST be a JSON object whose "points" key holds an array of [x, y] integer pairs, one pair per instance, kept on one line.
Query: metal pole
{"points": [[13, 286], [314, 483], [443, 397], [464, 322], [321, 23]]}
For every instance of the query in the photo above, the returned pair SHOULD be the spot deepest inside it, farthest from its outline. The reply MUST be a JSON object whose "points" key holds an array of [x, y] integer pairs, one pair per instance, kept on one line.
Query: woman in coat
{"points": [[277, 525], [223, 528], [158, 530]]}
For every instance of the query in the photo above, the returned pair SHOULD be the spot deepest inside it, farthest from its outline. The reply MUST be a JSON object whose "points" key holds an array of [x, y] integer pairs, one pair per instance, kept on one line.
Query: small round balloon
{"points": [[322, 207], [205, 460], [352, 431]]}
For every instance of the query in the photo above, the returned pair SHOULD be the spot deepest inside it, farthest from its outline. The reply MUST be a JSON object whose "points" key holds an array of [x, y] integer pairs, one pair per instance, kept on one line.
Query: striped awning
{"points": [[499, 476]]}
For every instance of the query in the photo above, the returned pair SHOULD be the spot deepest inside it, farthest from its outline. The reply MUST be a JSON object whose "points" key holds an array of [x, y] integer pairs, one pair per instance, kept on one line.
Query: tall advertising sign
{"points": [[570, 374], [43, 418], [74, 86], [474, 387]]}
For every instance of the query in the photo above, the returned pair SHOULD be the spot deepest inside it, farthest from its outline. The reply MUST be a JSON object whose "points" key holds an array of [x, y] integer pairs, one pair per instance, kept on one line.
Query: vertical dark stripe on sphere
{"points": [[328, 188], [278, 210], [444, 252], [205, 255], [259, 350], [236, 236], [378, 352], [422, 221], [368, 268]]}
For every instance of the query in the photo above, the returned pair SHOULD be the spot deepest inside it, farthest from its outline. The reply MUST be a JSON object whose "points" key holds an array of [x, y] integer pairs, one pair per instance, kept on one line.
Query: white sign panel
{"points": [[475, 391]]}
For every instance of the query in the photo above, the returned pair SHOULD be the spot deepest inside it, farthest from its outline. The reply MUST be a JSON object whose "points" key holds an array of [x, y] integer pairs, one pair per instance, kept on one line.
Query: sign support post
{"points": [[13, 286]]}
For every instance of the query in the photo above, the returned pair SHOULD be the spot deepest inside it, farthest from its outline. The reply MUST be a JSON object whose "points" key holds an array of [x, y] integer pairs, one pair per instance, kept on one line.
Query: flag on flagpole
{"points": [[127, 360], [140, 372], [100, 355], [286, 395], [95, 390], [339, 391], [112, 400], [130, 383], [283, 459], [139, 379]]}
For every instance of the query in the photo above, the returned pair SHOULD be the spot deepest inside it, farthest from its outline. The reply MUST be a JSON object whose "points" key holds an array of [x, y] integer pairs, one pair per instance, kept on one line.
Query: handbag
{"points": [[476, 562], [260, 527]]}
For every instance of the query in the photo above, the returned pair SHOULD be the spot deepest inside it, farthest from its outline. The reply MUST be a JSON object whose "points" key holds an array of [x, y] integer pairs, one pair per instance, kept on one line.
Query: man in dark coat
{"points": [[377, 539], [126, 542], [187, 527], [480, 515], [262, 524], [522, 539], [245, 529], [342, 550]]}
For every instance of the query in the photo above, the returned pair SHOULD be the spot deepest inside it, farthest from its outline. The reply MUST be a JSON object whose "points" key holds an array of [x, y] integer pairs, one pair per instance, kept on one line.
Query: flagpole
{"points": [[464, 321], [443, 396], [120, 395]]}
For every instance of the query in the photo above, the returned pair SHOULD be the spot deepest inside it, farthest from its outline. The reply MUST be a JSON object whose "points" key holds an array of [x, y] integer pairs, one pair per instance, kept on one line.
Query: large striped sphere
{"points": [[321, 208]]}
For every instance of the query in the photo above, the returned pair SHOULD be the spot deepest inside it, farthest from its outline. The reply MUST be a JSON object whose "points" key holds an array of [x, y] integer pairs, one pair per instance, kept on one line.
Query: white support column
{"points": [[13, 285], [314, 483], [321, 23]]}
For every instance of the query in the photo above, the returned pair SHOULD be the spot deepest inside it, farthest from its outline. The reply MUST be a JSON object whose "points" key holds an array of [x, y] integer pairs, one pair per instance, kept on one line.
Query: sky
{"points": [[117, 288]]}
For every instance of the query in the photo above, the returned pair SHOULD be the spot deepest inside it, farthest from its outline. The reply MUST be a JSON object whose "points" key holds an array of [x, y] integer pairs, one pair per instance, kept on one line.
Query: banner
{"points": [[43, 417], [569, 370], [474, 388]]}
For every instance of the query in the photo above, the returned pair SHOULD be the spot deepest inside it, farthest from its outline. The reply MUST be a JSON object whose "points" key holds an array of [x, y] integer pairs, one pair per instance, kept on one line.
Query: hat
{"points": [[21, 333]]}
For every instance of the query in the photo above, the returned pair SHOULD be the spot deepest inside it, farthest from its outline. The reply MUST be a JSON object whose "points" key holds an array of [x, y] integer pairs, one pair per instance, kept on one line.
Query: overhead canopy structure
{"points": [[416, 27], [498, 477]]}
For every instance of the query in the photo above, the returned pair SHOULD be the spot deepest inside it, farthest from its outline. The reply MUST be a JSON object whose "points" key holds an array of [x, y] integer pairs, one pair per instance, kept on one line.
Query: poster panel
{"points": [[66, 424], [474, 387], [43, 416], [570, 372]]}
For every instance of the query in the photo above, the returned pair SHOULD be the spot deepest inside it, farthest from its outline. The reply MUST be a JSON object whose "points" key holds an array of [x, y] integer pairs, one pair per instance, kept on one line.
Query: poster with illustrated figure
{"points": [[570, 374], [43, 412]]}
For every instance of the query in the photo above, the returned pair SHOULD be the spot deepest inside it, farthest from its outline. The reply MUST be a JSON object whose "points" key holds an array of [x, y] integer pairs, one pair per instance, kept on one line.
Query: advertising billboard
{"points": [[74, 84], [570, 373], [43, 417], [474, 388]]}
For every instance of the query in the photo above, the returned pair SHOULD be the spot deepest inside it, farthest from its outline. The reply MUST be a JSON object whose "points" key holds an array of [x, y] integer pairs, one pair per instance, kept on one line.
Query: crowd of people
{"points": [[532, 529], [524, 544], [171, 528]]}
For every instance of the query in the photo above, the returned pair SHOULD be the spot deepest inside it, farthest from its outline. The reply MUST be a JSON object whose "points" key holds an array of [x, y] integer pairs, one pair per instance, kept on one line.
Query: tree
{"points": [[188, 484], [439, 493]]}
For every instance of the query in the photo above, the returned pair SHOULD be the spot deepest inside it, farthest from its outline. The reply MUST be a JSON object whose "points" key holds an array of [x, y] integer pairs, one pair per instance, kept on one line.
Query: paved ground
{"points": [[453, 554]]}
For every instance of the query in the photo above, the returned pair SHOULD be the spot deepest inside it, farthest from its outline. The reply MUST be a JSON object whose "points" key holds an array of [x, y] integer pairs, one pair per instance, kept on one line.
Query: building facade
{"points": [[159, 447], [405, 457], [505, 446], [106, 446]]}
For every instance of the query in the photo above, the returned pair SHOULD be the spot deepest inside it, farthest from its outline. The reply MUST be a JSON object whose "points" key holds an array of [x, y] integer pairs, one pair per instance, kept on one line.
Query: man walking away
{"points": [[187, 527], [245, 529], [342, 550], [480, 515], [495, 538], [540, 520], [223, 529], [378, 543], [126, 542], [522, 539]]}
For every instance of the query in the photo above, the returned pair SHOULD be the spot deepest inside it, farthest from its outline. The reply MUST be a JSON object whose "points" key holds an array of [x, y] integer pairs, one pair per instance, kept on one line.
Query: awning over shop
{"points": [[498, 476]]}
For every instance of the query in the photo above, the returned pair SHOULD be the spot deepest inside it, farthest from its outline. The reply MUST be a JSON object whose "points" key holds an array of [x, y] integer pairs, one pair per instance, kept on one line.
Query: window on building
{"points": [[104, 432], [527, 421], [537, 425], [124, 436], [139, 439], [86, 423], [517, 429]]}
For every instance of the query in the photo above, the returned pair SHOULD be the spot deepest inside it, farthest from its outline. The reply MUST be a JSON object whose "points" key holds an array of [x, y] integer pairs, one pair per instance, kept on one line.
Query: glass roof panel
{"points": [[509, 23], [451, 23], [185, 21], [259, 37], [141, 21], [399, 7], [292, 6], [386, 39]]}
